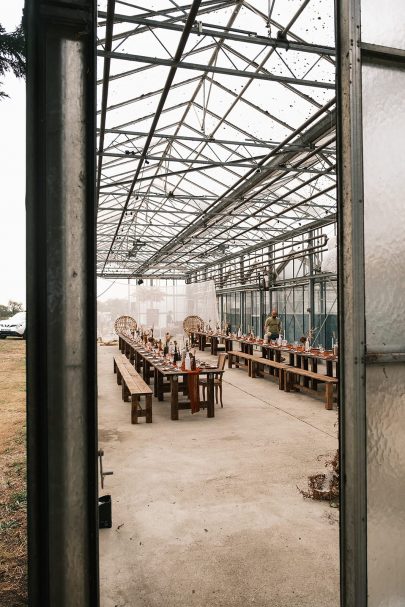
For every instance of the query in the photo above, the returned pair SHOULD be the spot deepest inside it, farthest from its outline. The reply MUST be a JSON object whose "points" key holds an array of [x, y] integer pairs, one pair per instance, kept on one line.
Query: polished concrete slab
{"points": [[206, 512]]}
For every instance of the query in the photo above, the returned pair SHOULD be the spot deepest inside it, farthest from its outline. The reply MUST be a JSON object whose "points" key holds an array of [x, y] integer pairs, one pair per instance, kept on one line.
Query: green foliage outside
{"points": [[12, 53], [10, 309]]}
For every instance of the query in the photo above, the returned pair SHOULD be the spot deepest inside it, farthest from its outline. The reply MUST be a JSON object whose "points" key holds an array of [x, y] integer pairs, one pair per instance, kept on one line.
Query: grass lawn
{"points": [[13, 493]]}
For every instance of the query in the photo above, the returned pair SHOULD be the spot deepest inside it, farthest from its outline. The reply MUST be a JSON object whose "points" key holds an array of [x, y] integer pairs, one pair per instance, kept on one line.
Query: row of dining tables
{"points": [[170, 378], [296, 355]]}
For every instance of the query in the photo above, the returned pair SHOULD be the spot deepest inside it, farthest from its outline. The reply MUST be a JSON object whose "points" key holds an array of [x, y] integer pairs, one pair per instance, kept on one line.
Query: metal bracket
{"points": [[102, 473], [383, 355]]}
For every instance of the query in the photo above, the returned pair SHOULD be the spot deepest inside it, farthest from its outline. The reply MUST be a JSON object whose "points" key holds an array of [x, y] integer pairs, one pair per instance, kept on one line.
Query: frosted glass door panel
{"points": [[384, 204], [383, 22], [384, 228], [386, 485]]}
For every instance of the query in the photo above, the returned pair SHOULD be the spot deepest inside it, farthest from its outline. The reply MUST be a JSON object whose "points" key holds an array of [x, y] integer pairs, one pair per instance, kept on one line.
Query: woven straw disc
{"points": [[125, 325], [192, 323]]}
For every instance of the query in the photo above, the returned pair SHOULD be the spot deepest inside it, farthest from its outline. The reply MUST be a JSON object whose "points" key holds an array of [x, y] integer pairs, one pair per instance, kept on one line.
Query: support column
{"points": [[311, 287], [352, 397], [61, 300]]}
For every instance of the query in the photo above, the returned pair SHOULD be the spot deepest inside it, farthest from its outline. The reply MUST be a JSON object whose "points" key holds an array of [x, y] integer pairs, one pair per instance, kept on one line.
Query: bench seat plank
{"points": [[266, 362], [133, 386], [319, 377]]}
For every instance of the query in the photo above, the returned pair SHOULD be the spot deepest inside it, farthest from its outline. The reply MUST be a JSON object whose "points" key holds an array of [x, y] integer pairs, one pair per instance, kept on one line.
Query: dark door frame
{"points": [[61, 300]]}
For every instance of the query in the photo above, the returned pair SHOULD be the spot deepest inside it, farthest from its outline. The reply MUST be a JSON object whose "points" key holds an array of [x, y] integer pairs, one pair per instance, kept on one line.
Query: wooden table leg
{"points": [[271, 357], [160, 379], [305, 366], [134, 409], [329, 396], [174, 397], [246, 351], [148, 407], [155, 382], [287, 380], [184, 381], [146, 372], [314, 368], [210, 395], [281, 379], [252, 368]]}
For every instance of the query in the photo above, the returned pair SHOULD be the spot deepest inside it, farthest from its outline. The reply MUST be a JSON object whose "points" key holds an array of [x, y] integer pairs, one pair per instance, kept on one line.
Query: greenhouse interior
{"points": [[216, 190], [247, 411]]}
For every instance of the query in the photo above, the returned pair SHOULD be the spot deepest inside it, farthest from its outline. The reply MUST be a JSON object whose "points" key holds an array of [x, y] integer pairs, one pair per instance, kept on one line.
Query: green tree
{"points": [[14, 307], [12, 53], [4, 312]]}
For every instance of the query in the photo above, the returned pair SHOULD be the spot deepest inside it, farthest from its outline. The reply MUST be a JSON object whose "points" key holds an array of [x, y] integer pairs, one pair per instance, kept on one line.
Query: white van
{"points": [[14, 326]]}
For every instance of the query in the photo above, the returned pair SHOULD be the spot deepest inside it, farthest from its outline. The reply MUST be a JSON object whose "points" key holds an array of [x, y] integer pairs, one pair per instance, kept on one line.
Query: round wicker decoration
{"points": [[192, 323], [125, 325]]}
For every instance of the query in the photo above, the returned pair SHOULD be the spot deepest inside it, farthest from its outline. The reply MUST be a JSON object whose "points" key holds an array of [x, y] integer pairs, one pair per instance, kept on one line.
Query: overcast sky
{"points": [[12, 174]]}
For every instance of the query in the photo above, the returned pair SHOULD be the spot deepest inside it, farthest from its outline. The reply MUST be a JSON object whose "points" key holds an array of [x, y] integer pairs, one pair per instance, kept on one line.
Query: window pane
{"points": [[383, 22], [384, 228], [384, 191]]}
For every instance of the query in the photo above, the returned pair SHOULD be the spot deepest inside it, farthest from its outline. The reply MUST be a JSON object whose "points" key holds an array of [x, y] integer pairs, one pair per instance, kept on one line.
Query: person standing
{"points": [[272, 325]]}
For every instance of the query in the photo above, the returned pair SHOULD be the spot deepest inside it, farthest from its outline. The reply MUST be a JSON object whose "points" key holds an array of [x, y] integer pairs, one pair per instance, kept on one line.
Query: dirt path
{"points": [[13, 495]]}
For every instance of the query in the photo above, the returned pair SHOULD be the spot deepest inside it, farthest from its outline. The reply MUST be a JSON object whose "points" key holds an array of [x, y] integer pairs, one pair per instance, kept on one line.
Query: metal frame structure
{"points": [[204, 163]]}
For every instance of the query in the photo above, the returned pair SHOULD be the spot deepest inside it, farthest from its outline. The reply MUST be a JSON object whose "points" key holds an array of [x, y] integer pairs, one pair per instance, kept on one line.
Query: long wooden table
{"points": [[297, 357], [165, 380], [294, 357]]}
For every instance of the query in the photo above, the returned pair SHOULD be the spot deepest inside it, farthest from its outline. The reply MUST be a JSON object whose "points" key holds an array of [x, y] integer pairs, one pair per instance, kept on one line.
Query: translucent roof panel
{"points": [[216, 130]]}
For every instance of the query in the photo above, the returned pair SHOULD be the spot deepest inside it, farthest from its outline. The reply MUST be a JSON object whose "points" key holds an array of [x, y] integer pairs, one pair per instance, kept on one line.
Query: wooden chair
{"points": [[217, 380]]}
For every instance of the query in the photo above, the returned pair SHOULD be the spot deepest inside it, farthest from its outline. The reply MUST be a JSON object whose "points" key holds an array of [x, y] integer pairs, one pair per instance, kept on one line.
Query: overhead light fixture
{"points": [[139, 281], [137, 246]]}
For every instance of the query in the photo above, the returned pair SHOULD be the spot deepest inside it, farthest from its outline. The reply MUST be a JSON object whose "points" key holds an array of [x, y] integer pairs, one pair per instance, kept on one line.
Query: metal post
{"points": [[352, 396], [311, 289], [261, 310], [61, 368]]}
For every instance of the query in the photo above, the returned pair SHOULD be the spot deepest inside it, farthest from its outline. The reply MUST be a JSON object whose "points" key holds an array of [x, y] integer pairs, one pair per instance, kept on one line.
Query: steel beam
{"points": [[226, 34], [106, 82], [257, 143], [207, 6], [214, 69]]}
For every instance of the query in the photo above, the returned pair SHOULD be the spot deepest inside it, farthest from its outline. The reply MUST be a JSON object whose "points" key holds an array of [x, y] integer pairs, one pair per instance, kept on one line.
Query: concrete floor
{"points": [[206, 512]]}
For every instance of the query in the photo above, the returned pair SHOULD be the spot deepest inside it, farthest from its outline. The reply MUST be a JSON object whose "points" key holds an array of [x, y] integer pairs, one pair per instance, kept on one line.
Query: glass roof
{"points": [[216, 129]]}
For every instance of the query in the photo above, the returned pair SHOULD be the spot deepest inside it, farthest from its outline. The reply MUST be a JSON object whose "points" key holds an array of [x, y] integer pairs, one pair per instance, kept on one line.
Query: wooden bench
{"points": [[235, 355], [291, 382], [255, 361], [134, 387]]}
